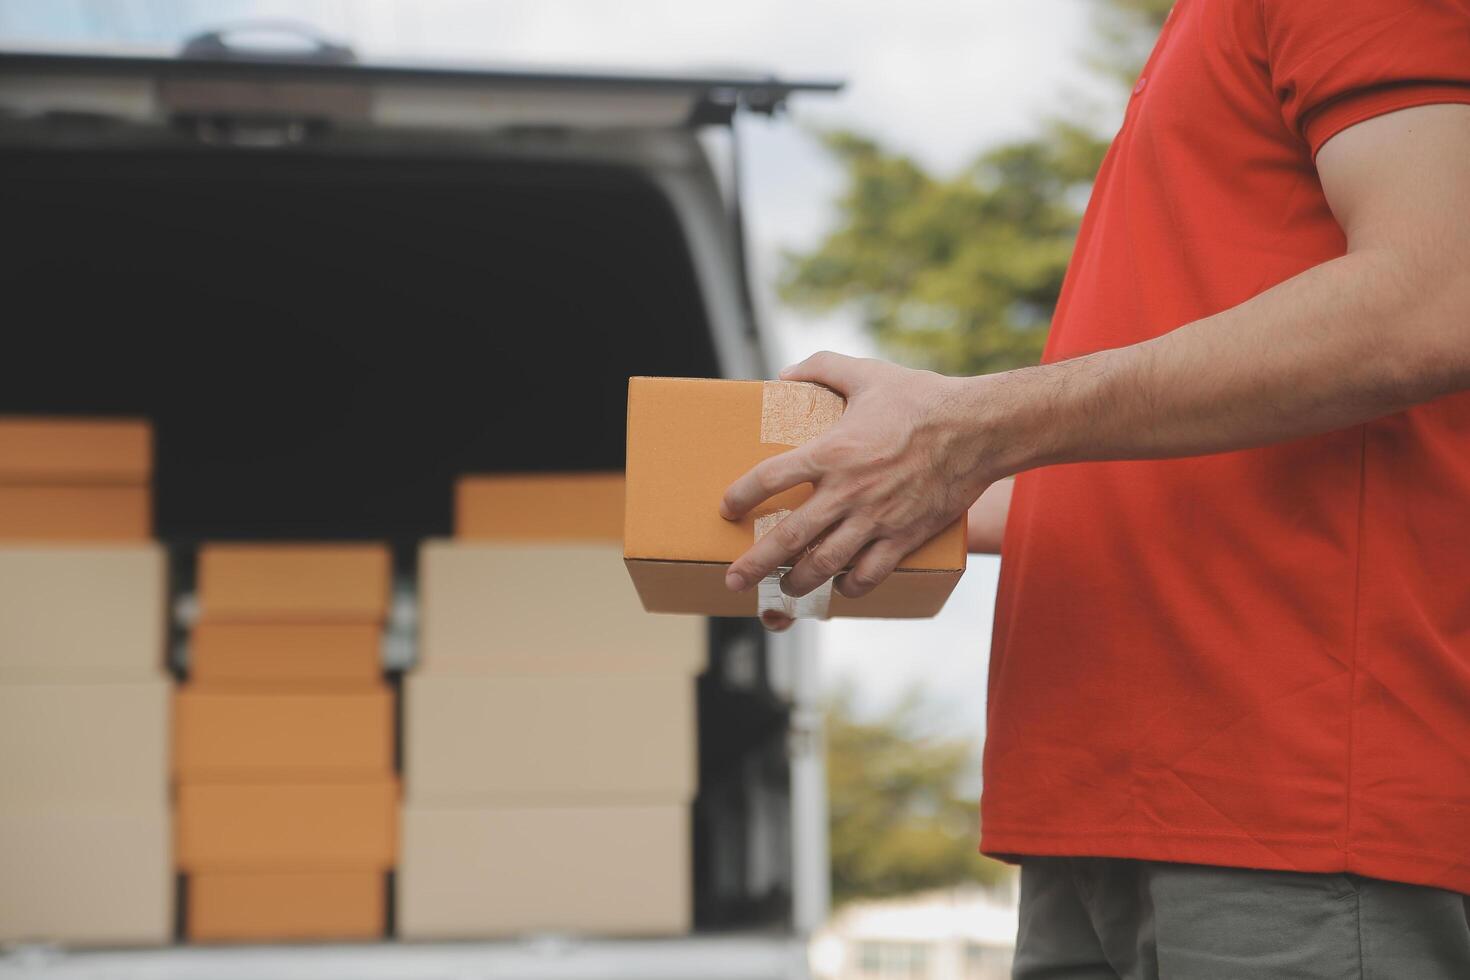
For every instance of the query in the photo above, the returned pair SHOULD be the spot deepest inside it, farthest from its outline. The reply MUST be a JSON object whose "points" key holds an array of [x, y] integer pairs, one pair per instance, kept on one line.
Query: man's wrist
{"points": [[1009, 423], [1066, 412]]}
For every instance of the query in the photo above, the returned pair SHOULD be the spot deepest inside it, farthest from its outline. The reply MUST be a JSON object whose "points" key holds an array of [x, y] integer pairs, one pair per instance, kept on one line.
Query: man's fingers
{"points": [[836, 371], [766, 479], [828, 558], [779, 545], [872, 567]]}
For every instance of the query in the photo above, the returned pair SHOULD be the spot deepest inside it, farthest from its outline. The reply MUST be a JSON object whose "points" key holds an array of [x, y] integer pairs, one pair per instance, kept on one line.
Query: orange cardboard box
{"points": [[689, 439], [285, 905], [71, 451], [286, 653], [342, 826], [224, 733], [76, 513], [294, 582], [540, 507]]}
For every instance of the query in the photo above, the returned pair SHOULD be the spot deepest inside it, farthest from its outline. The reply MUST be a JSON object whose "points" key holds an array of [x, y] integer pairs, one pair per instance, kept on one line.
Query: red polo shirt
{"points": [[1260, 658]]}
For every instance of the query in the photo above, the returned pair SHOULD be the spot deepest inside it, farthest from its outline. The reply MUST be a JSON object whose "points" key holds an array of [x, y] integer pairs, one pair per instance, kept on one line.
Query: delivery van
{"points": [[333, 288]]}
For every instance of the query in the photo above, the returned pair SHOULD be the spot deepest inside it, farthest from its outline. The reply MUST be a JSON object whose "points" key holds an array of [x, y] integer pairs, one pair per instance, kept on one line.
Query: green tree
{"points": [[961, 273], [900, 821]]}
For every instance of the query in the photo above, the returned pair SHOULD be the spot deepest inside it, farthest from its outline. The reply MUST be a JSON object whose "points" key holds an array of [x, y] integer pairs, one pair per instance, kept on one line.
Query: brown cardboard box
{"points": [[86, 876], [294, 582], [540, 507], [70, 451], [688, 440], [504, 871], [286, 653], [65, 513], [517, 608], [73, 613], [81, 746], [287, 826], [596, 737], [285, 905], [227, 734]]}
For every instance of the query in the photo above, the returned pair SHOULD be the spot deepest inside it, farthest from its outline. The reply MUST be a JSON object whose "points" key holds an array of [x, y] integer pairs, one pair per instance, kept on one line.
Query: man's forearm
{"points": [[1384, 327], [1350, 340]]}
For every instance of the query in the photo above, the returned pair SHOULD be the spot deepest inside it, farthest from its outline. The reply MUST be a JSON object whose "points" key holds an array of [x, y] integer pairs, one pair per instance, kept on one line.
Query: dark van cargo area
{"points": [[324, 343], [331, 290]]}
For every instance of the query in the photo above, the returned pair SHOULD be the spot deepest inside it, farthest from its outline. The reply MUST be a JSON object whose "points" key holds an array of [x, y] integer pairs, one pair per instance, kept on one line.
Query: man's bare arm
{"points": [[1384, 327], [988, 518]]}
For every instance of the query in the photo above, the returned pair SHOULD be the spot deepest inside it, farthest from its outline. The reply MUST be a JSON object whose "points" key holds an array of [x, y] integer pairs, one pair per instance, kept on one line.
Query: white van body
{"points": [[125, 130]]}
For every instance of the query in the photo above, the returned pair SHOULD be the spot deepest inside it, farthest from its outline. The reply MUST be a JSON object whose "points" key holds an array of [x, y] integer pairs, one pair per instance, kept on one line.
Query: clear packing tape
{"points": [[792, 414]]}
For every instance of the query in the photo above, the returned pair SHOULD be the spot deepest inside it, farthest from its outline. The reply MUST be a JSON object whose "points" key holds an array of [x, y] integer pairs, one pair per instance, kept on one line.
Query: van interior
{"points": [[324, 342]]}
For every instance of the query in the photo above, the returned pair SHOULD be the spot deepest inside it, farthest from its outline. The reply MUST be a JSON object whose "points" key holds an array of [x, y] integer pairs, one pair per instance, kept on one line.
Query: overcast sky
{"points": [[941, 79]]}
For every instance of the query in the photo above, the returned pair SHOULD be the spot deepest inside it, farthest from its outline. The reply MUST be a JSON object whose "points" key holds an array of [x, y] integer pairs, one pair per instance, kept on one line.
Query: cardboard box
{"points": [[688, 440], [346, 826], [70, 613], [286, 653], [225, 734], [516, 608], [285, 905], [592, 737], [70, 451], [86, 877], [540, 507], [506, 871], [294, 582], [64, 513], [82, 746]]}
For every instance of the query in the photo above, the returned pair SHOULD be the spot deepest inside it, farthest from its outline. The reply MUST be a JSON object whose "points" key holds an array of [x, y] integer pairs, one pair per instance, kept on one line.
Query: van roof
{"points": [[712, 97]]}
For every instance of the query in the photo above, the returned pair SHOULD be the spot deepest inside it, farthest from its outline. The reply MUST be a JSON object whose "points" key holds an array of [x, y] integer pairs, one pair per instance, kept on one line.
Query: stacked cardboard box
{"points": [[75, 480], [284, 746], [84, 814], [549, 731]]}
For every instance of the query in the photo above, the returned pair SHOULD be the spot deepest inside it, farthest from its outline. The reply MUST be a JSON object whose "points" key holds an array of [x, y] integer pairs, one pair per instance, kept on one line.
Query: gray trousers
{"points": [[1109, 918]]}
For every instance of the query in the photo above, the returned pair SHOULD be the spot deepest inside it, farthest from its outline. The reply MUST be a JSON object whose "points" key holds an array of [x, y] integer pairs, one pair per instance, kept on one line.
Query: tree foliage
{"points": [[900, 821], [961, 273]]}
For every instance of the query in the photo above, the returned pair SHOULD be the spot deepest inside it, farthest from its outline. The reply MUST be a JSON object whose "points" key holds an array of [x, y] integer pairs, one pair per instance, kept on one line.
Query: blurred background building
{"points": [[925, 212]]}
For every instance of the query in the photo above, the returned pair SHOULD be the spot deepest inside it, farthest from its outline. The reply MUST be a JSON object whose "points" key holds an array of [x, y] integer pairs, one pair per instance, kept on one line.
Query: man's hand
{"points": [[1372, 332], [901, 464]]}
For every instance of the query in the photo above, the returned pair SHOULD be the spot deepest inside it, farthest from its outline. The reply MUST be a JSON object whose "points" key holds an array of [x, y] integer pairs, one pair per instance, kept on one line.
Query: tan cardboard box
{"points": [[518, 608], [225, 734], [72, 613], [540, 507], [275, 906], [342, 826], [76, 514], [273, 654], [72, 451], [294, 582], [590, 737], [688, 440], [82, 746], [505, 871], [86, 876]]}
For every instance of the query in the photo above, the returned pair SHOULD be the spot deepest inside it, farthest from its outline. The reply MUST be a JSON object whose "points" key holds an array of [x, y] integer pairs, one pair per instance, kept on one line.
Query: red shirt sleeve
{"points": [[1335, 63]]}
